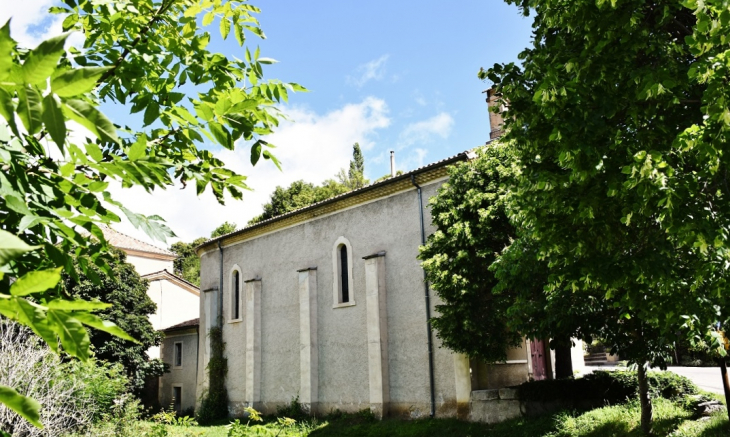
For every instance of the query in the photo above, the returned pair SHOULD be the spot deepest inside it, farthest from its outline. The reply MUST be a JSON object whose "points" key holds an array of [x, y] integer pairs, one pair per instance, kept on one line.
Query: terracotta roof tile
{"points": [[186, 324], [123, 241]]}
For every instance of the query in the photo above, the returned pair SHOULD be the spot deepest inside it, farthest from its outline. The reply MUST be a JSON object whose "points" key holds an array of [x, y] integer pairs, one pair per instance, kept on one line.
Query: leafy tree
{"points": [[487, 309], [187, 263], [126, 291], [141, 53], [354, 178], [619, 120], [224, 228], [472, 227]]}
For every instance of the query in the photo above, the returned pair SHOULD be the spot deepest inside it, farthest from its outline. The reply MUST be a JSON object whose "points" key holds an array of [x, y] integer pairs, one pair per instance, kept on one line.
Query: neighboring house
{"points": [[177, 299], [180, 350]]}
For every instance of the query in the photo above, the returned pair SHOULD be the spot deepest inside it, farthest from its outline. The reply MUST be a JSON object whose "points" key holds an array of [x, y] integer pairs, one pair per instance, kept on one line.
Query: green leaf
{"points": [[152, 113], [225, 27], [208, 18], [32, 316], [73, 335], [7, 110], [138, 149], [77, 81], [30, 109], [256, 152], [36, 282], [6, 49], [103, 325], [12, 246], [53, 120], [94, 152], [42, 60], [27, 408], [267, 61], [270, 156], [221, 134], [92, 119], [77, 305]]}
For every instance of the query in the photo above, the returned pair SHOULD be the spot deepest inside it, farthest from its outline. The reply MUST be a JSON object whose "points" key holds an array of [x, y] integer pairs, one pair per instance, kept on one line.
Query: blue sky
{"points": [[390, 75]]}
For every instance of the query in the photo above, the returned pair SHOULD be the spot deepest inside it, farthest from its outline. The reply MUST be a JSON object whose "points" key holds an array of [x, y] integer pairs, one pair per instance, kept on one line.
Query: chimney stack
{"points": [[495, 119], [392, 163]]}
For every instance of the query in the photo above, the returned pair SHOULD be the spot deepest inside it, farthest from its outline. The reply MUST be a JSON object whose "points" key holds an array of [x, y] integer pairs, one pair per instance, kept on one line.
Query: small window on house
{"points": [[344, 294], [236, 296], [177, 361], [177, 398]]}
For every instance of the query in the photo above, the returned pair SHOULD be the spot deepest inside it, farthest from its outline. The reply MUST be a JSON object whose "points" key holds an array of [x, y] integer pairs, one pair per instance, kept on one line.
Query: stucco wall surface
{"points": [[185, 375], [389, 224], [145, 266]]}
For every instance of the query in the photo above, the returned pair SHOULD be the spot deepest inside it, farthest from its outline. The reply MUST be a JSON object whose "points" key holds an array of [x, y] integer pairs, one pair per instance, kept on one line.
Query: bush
{"points": [[612, 387], [214, 404], [72, 394]]}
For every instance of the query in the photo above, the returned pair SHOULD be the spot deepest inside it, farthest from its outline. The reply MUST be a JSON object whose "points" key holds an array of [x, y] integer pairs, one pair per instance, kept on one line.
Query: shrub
{"points": [[293, 410], [72, 394], [612, 387]]}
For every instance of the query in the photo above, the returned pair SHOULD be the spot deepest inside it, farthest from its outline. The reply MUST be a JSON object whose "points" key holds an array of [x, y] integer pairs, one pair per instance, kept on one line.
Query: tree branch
{"points": [[157, 15]]}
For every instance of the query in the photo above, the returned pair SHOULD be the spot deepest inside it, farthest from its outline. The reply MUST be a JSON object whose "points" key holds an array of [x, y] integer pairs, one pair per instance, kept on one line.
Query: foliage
{"points": [[619, 123], [72, 394], [214, 403], [293, 410], [126, 291], [301, 194], [223, 229], [140, 53], [606, 387], [470, 215], [187, 263]]}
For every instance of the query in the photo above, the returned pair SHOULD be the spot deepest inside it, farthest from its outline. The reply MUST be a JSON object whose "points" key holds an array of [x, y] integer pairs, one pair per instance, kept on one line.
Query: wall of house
{"points": [[145, 266], [390, 224], [174, 305], [185, 375]]}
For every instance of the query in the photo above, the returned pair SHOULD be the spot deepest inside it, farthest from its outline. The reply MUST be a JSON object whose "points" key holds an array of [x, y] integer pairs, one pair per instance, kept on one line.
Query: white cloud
{"points": [[424, 131], [32, 23], [373, 70], [313, 148]]}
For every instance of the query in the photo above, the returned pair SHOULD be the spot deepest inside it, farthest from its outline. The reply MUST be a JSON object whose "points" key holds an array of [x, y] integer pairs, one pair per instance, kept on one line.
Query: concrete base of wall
{"points": [[492, 406]]}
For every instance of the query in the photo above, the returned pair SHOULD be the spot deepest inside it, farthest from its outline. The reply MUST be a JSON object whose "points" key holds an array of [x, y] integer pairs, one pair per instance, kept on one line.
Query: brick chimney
{"points": [[495, 119]]}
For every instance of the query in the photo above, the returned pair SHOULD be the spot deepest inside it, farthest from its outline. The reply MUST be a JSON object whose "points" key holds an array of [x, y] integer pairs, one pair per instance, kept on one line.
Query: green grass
{"points": [[671, 419]]}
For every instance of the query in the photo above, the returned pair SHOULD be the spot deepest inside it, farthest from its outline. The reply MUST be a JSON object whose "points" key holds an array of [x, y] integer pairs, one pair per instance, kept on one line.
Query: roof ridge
{"points": [[173, 275], [159, 250], [467, 153]]}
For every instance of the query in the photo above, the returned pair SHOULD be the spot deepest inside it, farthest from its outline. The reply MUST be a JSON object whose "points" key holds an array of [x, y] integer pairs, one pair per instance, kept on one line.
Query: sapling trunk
{"points": [[644, 399], [725, 384], [563, 361]]}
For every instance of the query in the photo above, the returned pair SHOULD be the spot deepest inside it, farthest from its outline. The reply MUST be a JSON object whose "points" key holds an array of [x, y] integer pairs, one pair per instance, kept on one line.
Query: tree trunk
{"points": [[644, 400], [563, 361], [725, 384]]}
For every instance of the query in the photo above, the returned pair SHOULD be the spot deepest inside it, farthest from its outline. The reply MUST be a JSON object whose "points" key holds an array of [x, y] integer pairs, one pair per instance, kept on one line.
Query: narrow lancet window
{"points": [[236, 301], [345, 296]]}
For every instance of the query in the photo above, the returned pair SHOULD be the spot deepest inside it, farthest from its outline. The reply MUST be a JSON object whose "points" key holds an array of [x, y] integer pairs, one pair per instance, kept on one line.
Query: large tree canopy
{"points": [[131, 307], [619, 118], [148, 56]]}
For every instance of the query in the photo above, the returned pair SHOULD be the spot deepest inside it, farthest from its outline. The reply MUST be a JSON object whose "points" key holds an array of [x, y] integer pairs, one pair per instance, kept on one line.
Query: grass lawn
{"points": [[670, 419]]}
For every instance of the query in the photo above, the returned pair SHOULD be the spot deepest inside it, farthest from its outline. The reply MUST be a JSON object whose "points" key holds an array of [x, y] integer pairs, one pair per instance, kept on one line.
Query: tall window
{"points": [[236, 296], [177, 361], [344, 283], [343, 291]]}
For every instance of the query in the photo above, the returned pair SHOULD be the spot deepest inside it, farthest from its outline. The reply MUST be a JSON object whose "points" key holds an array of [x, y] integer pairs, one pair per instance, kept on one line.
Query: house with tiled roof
{"points": [[177, 300]]}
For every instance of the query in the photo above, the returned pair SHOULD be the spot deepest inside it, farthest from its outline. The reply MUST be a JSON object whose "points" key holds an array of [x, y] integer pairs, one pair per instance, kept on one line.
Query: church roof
{"points": [[134, 246], [392, 185]]}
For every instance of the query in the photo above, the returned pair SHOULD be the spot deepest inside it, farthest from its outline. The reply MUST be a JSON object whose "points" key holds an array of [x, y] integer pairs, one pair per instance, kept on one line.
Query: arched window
{"points": [[344, 285], [343, 292], [235, 294]]}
